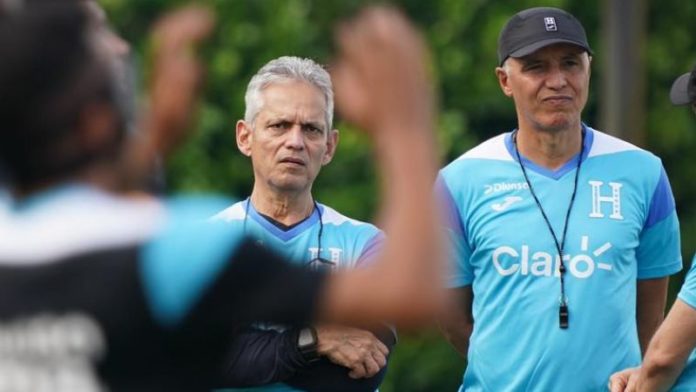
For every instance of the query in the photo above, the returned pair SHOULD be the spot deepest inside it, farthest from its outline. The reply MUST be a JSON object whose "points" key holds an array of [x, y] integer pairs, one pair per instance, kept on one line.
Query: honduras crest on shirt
{"points": [[622, 227]]}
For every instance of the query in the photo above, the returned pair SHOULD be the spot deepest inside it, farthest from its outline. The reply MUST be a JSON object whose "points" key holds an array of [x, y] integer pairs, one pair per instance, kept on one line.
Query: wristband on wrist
{"points": [[307, 344]]}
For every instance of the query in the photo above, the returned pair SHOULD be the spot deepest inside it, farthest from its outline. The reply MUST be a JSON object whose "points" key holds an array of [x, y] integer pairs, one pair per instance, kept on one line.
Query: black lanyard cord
{"points": [[318, 259], [563, 313], [321, 230]]}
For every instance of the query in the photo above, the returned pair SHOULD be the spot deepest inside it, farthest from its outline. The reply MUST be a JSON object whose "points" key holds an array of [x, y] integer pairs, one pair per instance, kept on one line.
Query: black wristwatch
{"points": [[307, 343]]}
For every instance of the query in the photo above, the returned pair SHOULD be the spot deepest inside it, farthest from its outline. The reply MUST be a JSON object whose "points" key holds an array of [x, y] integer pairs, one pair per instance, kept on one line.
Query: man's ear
{"points": [[244, 137], [331, 144], [503, 80]]}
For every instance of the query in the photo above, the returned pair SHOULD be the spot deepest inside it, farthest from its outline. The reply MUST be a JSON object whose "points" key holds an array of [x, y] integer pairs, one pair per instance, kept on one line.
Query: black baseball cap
{"points": [[535, 28], [684, 89]]}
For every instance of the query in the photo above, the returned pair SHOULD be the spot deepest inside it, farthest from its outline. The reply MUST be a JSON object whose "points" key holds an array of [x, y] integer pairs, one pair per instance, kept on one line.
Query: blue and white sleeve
{"points": [[459, 272], [659, 251], [371, 250]]}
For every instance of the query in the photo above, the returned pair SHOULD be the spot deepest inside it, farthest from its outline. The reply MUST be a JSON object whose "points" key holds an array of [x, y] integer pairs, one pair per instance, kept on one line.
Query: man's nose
{"points": [[295, 137], [556, 78]]}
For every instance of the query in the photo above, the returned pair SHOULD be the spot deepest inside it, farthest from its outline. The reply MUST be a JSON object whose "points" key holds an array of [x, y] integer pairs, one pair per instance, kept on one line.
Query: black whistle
{"points": [[563, 316]]}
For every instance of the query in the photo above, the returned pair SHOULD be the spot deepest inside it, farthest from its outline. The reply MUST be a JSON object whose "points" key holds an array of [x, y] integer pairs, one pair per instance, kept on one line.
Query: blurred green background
{"points": [[462, 36]]}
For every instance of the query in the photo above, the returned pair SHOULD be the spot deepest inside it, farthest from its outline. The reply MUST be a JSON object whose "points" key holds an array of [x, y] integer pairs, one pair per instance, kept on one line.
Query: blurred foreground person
{"points": [[101, 292], [670, 362]]}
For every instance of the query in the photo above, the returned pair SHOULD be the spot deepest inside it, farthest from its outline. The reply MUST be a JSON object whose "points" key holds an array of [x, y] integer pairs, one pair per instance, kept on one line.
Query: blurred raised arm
{"points": [[382, 85]]}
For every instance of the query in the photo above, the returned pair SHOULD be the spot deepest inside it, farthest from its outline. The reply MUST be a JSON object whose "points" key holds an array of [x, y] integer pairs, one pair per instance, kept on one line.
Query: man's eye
{"points": [[312, 129]]}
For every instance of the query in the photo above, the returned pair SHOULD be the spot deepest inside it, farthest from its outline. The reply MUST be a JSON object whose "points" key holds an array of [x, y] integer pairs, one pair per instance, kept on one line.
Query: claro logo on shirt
{"points": [[525, 261]]}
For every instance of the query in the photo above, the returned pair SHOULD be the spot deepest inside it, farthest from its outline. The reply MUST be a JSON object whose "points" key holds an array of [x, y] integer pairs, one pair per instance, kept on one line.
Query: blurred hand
{"points": [[177, 74], [356, 349], [380, 77], [624, 381]]}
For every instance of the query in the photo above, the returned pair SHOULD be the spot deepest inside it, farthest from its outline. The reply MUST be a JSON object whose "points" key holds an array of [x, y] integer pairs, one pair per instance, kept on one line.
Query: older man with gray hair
{"points": [[564, 240], [287, 132]]}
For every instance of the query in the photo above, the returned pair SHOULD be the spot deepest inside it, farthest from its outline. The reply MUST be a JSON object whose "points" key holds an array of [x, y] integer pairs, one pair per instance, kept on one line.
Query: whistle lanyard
{"points": [[563, 314], [317, 262]]}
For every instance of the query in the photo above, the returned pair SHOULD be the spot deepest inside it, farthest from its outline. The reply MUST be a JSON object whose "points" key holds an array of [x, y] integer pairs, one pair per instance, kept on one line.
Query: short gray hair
{"points": [[288, 68]]}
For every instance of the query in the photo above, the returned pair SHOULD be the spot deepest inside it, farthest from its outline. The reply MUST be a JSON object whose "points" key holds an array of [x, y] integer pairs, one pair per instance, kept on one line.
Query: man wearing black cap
{"points": [[564, 237], [670, 362], [683, 90]]}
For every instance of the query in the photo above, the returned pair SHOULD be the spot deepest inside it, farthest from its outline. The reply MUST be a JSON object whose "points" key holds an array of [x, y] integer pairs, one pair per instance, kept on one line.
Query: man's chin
{"points": [[290, 185], [557, 123]]}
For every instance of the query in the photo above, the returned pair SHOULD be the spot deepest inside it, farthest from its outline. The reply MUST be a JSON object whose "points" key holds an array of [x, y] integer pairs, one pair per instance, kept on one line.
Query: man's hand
{"points": [[174, 91], [624, 381], [176, 75], [356, 349]]}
